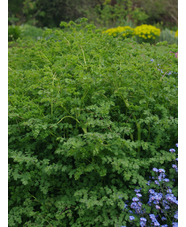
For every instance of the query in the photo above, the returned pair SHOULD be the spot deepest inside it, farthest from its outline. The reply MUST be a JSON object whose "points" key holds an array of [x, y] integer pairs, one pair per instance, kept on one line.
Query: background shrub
{"points": [[29, 31], [14, 33], [106, 13], [89, 117], [169, 36]]}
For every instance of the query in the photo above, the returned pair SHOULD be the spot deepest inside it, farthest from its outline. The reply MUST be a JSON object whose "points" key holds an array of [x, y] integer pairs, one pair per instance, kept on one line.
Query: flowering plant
{"points": [[125, 31], [176, 34], [146, 33], [162, 205]]}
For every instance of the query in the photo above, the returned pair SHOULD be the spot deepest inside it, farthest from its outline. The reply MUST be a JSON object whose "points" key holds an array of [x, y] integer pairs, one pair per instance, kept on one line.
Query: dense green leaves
{"points": [[89, 116]]}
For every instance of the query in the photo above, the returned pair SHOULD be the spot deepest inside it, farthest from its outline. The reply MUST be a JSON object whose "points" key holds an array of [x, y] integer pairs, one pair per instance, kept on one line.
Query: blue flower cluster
{"points": [[162, 204]]}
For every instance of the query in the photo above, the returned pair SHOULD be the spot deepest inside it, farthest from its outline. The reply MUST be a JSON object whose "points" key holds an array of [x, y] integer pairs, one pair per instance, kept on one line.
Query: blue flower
{"points": [[161, 170], [154, 220], [125, 206], [176, 215], [166, 180], [162, 175], [175, 167], [156, 202], [156, 182], [156, 223], [151, 198], [174, 224], [155, 169], [171, 198], [167, 207], [158, 196], [135, 199], [169, 190], [133, 205], [151, 191], [172, 150], [131, 218], [160, 201], [143, 219], [158, 207], [176, 144], [152, 60], [139, 195], [169, 73], [152, 216], [143, 222]]}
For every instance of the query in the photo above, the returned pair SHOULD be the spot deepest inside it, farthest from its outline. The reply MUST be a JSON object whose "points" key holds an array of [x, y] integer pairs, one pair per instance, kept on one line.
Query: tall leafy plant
{"points": [[89, 116]]}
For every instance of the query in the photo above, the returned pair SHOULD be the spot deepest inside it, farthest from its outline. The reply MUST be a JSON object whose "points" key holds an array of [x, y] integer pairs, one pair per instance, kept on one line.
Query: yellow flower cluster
{"points": [[125, 31], [147, 31], [144, 33], [176, 34]]}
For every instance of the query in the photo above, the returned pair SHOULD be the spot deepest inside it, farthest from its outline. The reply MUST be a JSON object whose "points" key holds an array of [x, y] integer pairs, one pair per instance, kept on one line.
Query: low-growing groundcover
{"points": [[89, 117], [161, 205]]}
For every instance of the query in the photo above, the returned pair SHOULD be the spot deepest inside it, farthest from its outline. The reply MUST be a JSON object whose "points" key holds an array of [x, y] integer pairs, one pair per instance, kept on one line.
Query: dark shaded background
{"points": [[44, 13]]}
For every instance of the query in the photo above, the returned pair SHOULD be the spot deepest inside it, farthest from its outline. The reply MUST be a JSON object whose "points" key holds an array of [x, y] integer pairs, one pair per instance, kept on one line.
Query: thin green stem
{"points": [[67, 117], [83, 55]]}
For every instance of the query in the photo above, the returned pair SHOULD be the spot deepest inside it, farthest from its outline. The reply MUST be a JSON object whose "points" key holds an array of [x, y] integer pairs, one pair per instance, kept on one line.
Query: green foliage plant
{"points": [[112, 15], [89, 117], [29, 31], [165, 11], [139, 16], [169, 36], [14, 32]]}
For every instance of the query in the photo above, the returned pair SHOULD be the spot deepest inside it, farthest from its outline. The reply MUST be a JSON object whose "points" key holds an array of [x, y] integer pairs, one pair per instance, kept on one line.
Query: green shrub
{"points": [[28, 31], [89, 116], [169, 36], [14, 33], [139, 16]]}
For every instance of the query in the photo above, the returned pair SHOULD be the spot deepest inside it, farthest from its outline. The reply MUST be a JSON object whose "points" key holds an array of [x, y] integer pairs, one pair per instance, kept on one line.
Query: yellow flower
{"points": [[125, 31], [147, 31], [176, 34], [143, 31]]}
